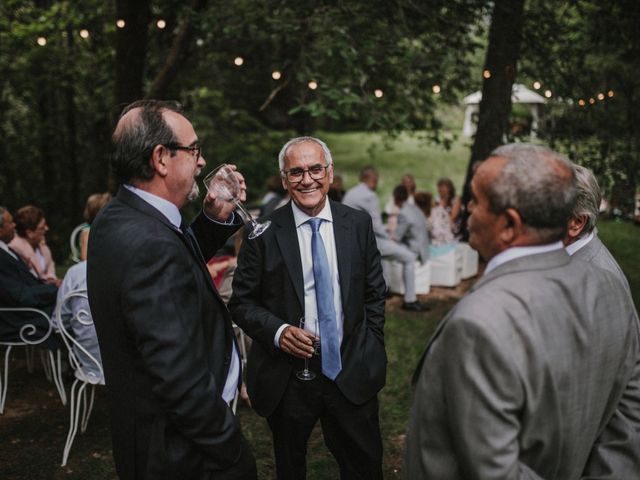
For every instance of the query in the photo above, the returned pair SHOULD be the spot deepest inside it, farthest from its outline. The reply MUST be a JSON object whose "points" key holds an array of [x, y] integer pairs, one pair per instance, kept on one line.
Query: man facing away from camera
{"points": [[535, 373]]}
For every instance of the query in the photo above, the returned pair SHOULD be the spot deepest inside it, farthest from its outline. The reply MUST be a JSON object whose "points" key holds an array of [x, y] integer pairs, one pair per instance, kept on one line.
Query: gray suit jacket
{"points": [[534, 374], [412, 231], [363, 198], [596, 253]]}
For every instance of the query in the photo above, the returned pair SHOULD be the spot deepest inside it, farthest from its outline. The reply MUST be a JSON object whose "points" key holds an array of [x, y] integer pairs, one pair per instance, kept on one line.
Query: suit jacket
{"points": [[23, 248], [523, 378], [166, 342], [19, 288], [363, 198], [268, 292], [412, 231], [596, 253]]}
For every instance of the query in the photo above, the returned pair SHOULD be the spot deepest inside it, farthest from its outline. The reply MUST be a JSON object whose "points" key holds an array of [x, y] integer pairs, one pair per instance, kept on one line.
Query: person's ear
{"points": [[283, 179], [511, 228], [576, 226], [159, 160]]}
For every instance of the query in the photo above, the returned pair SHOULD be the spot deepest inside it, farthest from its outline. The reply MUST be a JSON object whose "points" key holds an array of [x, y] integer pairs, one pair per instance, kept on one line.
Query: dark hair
{"points": [[27, 218], [134, 140], [368, 172], [94, 203], [2, 211], [452, 189], [400, 194], [423, 202]]}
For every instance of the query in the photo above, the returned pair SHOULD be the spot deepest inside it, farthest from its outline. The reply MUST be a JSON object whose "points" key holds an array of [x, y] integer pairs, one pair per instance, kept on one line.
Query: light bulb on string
{"points": [[592, 100], [276, 75], [547, 93], [378, 93], [161, 24], [120, 23], [537, 85], [312, 84], [486, 73], [436, 89], [41, 41], [610, 93], [581, 102], [238, 61], [601, 96], [84, 33]]}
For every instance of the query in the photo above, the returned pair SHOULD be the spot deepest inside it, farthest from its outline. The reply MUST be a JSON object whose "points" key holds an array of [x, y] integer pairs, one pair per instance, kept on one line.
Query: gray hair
{"points": [[588, 198], [2, 211], [537, 182], [294, 141]]}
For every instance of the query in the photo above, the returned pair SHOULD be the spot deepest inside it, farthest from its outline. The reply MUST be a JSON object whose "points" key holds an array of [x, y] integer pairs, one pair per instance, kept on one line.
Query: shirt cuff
{"points": [[230, 221], [276, 340]]}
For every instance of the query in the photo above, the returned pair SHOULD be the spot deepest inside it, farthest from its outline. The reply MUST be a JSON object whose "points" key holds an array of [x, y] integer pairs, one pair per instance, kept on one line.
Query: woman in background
{"points": [[450, 203]]}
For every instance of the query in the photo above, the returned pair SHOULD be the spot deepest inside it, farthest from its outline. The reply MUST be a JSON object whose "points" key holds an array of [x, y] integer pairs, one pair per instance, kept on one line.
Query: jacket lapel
{"points": [[287, 238], [342, 235]]}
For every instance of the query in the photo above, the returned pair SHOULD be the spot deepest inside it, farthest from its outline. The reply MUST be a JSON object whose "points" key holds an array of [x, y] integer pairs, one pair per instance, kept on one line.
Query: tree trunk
{"points": [[131, 50], [505, 36]]}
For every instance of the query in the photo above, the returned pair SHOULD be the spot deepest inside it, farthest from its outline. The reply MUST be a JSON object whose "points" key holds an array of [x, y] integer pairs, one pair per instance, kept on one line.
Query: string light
{"points": [[581, 102], [238, 61], [486, 74], [537, 85], [41, 41], [592, 100], [161, 24], [378, 93], [120, 23], [601, 96], [547, 93], [610, 93], [276, 75], [312, 84], [436, 89], [84, 33]]}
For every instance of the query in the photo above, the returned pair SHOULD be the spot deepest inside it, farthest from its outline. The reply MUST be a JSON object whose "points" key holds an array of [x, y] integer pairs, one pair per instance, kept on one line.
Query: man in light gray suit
{"points": [[534, 374], [411, 229], [363, 197], [581, 239]]}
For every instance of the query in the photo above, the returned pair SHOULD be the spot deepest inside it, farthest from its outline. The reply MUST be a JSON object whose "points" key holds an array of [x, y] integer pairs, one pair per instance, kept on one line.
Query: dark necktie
{"points": [[329, 344]]}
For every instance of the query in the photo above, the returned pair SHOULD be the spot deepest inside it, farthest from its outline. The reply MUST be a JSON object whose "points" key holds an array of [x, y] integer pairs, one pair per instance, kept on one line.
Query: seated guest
{"points": [[363, 197], [19, 288], [581, 240], [29, 243], [411, 229], [450, 203], [440, 226], [83, 331], [424, 201], [391, 209], [94, 203]]}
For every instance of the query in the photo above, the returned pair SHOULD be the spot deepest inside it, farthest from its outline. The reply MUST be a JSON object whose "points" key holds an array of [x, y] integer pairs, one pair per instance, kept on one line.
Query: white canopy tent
{"points": [[519, 94]]}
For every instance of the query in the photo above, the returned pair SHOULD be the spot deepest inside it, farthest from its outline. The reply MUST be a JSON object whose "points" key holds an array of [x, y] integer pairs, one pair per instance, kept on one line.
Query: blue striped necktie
{"points": [[329, 344]]}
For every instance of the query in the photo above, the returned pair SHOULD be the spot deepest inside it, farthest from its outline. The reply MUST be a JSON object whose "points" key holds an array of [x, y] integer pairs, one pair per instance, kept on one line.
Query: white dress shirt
{"points": [[303, 230], [578, 244], [172, 213], [517, 252]]}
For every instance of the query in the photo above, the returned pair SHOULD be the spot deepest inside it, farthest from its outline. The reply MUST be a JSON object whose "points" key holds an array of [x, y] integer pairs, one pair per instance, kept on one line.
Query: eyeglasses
{"points": [[316, 172], [196, 151]]}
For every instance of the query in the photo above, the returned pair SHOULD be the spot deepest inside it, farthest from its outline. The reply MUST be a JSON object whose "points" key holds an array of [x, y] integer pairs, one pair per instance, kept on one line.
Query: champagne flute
{"points": [[223, 183], [305, 374]]}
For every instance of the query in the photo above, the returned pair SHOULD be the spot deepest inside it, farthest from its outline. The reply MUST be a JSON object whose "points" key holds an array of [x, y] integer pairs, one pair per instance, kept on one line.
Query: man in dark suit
{"points": [[170, 359], [581, 239], [535, 373], [318, 260], [20, 288]]}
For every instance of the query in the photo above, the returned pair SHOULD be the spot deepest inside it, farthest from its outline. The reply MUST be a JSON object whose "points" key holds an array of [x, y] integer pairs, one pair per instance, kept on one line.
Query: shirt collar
{"points": [[165, 207], [517, 252], [5, 247], [299, 217], [581, 242]]}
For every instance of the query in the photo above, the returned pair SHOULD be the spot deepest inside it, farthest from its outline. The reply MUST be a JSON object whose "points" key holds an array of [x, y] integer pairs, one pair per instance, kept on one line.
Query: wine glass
{"points": [[223, 183], [306, 374]]}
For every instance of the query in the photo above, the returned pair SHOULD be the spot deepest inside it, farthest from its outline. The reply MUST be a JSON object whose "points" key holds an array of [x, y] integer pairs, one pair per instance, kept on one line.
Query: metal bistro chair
{"points": [[52, 363], [87, 369], [74, 241]]}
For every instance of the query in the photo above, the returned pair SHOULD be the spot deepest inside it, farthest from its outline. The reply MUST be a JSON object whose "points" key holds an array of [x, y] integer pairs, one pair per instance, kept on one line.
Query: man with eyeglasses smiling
{"points": [[168, 348], [317, 260]]}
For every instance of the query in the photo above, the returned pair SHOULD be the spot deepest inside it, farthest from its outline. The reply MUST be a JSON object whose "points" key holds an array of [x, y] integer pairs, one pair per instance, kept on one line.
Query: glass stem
{"points": [[244, 213]]}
